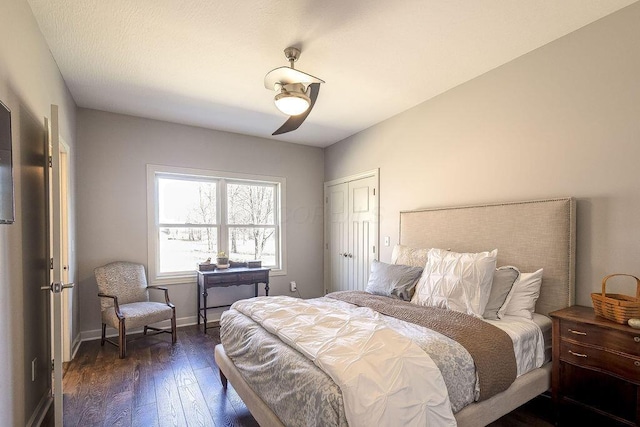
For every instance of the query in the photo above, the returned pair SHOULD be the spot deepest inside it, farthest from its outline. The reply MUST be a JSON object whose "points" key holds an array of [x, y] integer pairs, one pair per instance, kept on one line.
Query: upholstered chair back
{"points": [[125, 280]]}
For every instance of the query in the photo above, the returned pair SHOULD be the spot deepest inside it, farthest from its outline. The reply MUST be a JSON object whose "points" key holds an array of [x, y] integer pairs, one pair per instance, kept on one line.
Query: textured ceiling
{"points": [[202, 62]]}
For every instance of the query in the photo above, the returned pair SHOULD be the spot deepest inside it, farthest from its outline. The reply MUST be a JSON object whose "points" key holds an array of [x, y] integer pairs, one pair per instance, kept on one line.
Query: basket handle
{"points": [[604, 283]]}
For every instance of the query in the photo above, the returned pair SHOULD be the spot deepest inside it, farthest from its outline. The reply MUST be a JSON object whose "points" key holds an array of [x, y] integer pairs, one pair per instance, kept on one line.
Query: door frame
{"points": [[68, 341], [375, 173]]}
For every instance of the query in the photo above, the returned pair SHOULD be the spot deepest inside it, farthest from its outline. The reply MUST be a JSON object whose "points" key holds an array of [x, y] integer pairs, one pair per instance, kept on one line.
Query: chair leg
{"points": [[123, 339], [174, 335], [104, 333]]}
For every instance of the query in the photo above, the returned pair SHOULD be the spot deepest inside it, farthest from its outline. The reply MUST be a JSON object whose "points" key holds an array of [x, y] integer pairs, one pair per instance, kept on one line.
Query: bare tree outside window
{"points": [[188, 233], [204, 212], [252, 220]]}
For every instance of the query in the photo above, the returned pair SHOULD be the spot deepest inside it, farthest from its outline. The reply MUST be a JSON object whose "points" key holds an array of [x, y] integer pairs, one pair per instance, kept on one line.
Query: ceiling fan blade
{"points": [[287, 75], [294, 122]]}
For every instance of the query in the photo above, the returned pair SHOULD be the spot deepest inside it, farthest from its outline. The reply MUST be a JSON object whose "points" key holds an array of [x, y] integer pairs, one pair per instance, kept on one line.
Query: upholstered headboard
{"points": [[529, 235]]}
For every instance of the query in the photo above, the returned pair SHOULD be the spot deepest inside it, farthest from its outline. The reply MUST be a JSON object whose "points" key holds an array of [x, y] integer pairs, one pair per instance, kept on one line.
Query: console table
{"points": [[225, 278]]}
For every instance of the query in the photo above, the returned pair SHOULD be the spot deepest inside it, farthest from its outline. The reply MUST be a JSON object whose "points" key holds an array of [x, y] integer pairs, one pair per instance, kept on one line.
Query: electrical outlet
{"points": [[293, 286], [34, 367], [387, 240]]}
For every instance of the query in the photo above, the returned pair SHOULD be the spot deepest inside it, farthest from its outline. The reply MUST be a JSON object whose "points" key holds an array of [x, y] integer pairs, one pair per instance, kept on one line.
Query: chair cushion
{"points": [[138, 314]]}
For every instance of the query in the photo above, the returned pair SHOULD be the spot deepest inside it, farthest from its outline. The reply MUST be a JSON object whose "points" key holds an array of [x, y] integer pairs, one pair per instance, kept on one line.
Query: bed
{"points": [[529, 235]]}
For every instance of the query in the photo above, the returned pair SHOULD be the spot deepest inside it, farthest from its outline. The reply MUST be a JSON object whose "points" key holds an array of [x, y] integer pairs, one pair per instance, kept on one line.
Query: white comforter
{"points": [[384, 377]]}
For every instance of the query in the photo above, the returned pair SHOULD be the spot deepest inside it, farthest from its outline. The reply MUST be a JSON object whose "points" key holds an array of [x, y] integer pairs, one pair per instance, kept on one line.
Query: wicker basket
{"points": [[616, 307]]}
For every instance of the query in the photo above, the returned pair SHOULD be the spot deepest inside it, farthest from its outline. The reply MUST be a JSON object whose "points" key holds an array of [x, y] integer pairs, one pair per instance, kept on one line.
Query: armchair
{"points": [[124, 300]]}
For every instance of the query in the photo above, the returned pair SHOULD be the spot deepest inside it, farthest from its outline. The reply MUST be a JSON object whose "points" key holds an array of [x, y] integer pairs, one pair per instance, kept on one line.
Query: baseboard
{"points": [[111, 332], [75, 346], [41, 410]]}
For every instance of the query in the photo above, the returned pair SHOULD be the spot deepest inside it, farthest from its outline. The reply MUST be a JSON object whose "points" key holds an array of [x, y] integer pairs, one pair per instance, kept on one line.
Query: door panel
{"points": [[338, 216], [363, 230]]}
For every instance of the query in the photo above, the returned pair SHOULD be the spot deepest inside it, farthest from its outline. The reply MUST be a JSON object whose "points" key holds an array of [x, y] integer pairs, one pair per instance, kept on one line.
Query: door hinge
{"points": [[51, 264], [374, 249], [50, 161], [52, 365], [374, 191]]}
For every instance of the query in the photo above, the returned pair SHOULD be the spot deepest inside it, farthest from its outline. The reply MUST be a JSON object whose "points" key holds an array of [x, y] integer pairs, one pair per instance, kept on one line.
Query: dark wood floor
{"points": [[163, 385]]}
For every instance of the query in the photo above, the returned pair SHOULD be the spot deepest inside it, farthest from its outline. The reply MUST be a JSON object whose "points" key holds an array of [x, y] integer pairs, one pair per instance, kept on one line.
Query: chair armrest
{"points": [[116, 306], [166, 293]]}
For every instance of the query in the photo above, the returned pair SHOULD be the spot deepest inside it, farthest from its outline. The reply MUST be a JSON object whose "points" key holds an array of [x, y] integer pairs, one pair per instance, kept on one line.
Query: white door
{"points": [[57, 285], [363, 230], [338, 238], [351, 220]]}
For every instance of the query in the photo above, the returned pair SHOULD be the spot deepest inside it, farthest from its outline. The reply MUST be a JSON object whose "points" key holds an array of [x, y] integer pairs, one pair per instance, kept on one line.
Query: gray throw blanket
{"points": [[490, 347]]}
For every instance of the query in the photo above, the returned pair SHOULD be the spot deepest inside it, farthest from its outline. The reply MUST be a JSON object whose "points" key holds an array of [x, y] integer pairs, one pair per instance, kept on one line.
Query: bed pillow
{"points": [[409, 256], [503, 280], [393, 280], [457, 281], [522, 298]]}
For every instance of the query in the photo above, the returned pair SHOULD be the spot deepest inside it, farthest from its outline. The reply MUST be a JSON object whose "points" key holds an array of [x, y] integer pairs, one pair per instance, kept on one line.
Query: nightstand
{"points": [[596, 369]]}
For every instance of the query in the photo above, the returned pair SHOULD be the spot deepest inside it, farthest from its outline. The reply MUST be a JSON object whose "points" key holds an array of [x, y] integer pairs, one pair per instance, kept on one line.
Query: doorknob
{"points": [[57, 287], [345, 255]]}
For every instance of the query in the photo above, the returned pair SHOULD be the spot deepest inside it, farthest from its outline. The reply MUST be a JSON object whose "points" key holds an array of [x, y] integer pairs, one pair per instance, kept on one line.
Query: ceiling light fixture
{"points": [[292, 99]]}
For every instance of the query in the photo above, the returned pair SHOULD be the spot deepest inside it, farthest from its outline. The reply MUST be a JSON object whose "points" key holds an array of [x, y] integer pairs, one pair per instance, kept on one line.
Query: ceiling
{"points": [[202, 62]]}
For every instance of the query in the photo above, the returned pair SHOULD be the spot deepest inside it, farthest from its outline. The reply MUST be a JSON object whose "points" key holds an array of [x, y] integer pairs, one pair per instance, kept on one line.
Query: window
{"points": [[194, 214]]}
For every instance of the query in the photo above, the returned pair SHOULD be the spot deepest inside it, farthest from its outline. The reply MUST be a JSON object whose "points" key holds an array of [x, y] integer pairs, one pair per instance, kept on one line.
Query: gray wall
{"points": [[562, 120], [112, 223], [29, 83]]}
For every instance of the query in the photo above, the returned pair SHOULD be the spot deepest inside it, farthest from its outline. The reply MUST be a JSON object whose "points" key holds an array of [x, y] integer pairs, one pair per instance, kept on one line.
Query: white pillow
{"points": [[522, 298], [409, 256], [457, 281]]}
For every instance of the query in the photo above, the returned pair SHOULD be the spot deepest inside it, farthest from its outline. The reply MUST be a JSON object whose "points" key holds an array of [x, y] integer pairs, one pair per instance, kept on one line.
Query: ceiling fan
{"points": [[297, 91]]}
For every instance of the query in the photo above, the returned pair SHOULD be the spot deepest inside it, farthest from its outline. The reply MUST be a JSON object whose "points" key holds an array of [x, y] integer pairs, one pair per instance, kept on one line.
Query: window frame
{"points": [[222, 224]]}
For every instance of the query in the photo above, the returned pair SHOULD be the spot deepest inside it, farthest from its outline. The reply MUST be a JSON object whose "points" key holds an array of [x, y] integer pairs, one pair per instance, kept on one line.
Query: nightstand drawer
{"points": [[610, 338], [623, 366]]}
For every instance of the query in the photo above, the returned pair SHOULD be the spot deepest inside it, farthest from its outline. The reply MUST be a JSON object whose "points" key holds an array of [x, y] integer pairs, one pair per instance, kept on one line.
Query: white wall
{"points": [[563, 120], [29, 83], [112, 221]]}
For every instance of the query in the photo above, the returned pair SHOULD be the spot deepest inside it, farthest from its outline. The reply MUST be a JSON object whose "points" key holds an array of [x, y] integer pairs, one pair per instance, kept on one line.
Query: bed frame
{"points": [[529, 235]]}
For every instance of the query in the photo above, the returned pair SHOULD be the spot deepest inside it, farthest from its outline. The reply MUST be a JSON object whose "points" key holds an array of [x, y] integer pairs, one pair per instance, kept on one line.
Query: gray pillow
{"points": [[393, 280], [503, 280]]}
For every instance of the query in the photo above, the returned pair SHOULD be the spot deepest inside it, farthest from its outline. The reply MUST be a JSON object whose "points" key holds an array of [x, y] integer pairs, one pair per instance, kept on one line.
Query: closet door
{"points": [[362, 231], [338, 213], [351, 220]]}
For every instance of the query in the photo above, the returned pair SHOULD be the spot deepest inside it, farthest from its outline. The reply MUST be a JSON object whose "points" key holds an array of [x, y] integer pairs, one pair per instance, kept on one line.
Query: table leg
{"points": [[266, 288], [204, 296], [256, 288], [198, 297]]}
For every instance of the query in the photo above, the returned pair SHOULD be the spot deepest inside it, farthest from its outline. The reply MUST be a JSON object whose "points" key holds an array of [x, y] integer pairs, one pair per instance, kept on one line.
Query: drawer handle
{"points": [[636, 339], [636, 363], [582, 333], [577, 354]]}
